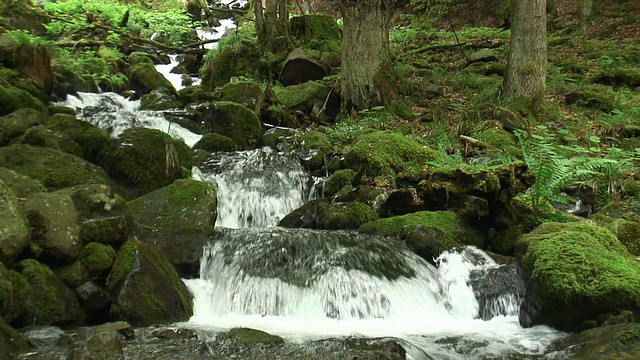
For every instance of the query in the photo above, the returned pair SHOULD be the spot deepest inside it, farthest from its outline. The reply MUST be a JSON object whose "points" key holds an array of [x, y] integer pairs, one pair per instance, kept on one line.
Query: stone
{"points": [[101, 346], [144, 78], [18, 122], [484, 55], [22, 186], [246, 93], [54, 220], [299, 67], [146, 289], [234, 121], [14, 228]]}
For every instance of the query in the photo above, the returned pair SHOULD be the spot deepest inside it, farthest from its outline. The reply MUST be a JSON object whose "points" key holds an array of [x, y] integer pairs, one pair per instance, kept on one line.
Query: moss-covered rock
{"points": [[18, 122], [11, 341], [427, 241], [501, 140], [234, 121], [250, 336], [54, 169], [13, 99], [213, 142], [97, 258], [315, 28], [144, 78], [91, 139], [195, 94], [311, 215], [73, 275], [387, 152], [309, 98], [239, 58], [300, 67], [146, 159], [446, 221], [26, 15], [12, 302], [146, 289], [617, 76], [48, 301], [32, 61], [337, 181], [628, 232], [41, 136], [160, 99], [22, 186], [54, 220], [177, 220], [348, 216], [15, 233], [247, 93], [615, 341], [573, 274]]}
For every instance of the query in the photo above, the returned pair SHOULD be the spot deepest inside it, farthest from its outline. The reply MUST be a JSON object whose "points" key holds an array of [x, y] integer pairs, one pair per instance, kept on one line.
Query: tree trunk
{"points": [[366, 60], [527, 64], [274, 32], [586, 8], [260, 27]]}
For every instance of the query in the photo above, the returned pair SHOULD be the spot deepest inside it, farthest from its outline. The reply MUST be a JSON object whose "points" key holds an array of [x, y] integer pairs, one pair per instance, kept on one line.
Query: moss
{"points": [[126, 258], [251, 336], [501, 140], [616, 76], [350, 216], [578, 263], [383, 152], [247, 93], [97, 258], [48, 300], [144, 77], [338, 181], [316, 140], [12, 99], [139, 57], [41, 136], [90, 138], [302, 96], [628, 233], [235, 121], [237, 58], [12, 294], [213, 142], [147, 158], [54, 169], [73, 275]]}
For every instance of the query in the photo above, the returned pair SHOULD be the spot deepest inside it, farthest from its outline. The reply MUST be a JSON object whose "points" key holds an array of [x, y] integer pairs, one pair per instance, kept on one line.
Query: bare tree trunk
{"points": [[365, 52], [586, 9], [527, 65], [276, 26], [260, 27]]}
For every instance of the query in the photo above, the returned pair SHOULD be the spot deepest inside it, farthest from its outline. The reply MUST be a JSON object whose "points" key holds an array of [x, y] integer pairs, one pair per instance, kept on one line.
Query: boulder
{"points": [[18, 122], [146, 159], [11, 341], [144, 78], [13, 99], [628, 232], [177, 220], [91, 139], [484, 55], [426, 241], [146, 289], [472, 193], [344, 216], [213, 142], [615, 341], [22, 186], [54, 220], [338, 180], [234, 121], [160, 99], [52, 168], [48, 300], [43, 137], [310, 98], [239, 58], [247, 93], [33, 61], [195, 94], [13, 293], [95, 300], [311, 215], [100, 346], [574, 274], [15, 233], [447, 222], [299, 67]]}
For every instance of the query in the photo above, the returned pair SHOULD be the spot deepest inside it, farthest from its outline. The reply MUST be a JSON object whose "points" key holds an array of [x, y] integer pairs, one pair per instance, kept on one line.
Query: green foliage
{"points": [[559, 166]]}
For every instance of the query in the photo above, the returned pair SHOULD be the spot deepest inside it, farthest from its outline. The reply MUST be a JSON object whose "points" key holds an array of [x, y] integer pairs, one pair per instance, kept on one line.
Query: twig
{"points": [[477, 142]]}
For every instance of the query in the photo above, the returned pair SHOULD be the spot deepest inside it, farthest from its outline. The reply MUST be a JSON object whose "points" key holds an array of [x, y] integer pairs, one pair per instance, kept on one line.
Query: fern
{"points": [[557, 167]]}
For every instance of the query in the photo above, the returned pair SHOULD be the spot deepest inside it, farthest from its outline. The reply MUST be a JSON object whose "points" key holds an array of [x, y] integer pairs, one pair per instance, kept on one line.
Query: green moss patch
{"points": [[386, 152], [349, 216]]}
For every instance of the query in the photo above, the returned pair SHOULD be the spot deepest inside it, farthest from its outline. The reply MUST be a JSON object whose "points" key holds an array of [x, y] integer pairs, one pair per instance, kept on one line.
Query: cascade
{"points": [[306, 284]]}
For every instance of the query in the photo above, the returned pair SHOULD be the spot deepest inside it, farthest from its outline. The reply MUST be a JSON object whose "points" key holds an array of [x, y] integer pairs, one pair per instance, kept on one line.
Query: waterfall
{"points": [[256, 188]]}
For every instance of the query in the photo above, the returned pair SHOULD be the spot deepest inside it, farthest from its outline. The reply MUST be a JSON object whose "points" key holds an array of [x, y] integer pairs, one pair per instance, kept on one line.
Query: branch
{"points": [[479, 143]]}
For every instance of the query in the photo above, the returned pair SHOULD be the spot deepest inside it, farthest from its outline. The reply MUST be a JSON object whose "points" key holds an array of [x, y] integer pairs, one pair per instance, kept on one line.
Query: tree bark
{"points": [[366, 59], [527, 64]]}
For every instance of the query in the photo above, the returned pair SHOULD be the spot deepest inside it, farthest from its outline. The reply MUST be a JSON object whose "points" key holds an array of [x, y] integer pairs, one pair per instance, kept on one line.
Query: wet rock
{"points": [[311, 215], [401, 201], [146, 159], [160, 99], [22, 186], [213, 142], [48, 300], [15, 234], [246, 93], [498, 291], [45, 336], [53, 169], [606, 342], [175, 333], [177, 220], [428, 242], [344, 216], [95, 300], [573, 274], [54, 220], [121, 327], [234, 121], [11, 341], [101, 346], [299, 67], [144, 78], [145, 287]]}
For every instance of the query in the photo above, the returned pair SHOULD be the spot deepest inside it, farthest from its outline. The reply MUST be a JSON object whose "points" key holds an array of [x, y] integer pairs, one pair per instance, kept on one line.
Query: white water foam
{"points": [[434, 310], [115, 114], [257, 188]]}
